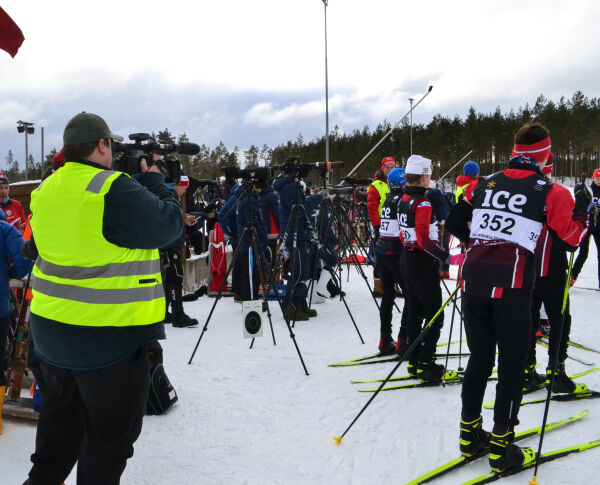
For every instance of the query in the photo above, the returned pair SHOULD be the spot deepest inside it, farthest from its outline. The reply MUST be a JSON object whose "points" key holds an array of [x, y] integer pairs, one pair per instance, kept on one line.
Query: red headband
{"points": [[539, 151]]}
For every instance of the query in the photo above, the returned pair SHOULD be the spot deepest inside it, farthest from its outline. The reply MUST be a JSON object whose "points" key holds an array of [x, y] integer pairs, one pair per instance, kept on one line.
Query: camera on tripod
{"points": [[250, 176], [293, 166], [357, 181], [340, 190], [143, 146]]}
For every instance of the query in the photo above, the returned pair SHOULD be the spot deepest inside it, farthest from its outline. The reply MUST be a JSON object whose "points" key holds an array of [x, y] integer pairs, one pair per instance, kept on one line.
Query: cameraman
{"points": [[299, 230], [98, 302], [248, 214]]}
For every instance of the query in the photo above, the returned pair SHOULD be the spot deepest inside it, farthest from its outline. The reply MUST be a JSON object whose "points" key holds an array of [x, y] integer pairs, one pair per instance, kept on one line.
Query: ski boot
{"points": [[533, 380], [473, 438], [386, 346], [401, 348], [182, 320], [430, 371], [290, 313], [505, 455], [562, 382], [413, 369]]}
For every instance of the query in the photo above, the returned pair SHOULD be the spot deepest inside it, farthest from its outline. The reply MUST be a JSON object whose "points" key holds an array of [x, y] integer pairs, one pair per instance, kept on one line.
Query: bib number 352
{"points": [[497, 222]]}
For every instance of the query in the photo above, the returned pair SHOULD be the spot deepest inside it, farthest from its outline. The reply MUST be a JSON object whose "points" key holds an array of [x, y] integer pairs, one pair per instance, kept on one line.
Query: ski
{"points": [[565, 397], [451, 377], [490, 405], [544, 458], [389, 358], [408, 377], [586, 288], [463, 460], [544, 343]]}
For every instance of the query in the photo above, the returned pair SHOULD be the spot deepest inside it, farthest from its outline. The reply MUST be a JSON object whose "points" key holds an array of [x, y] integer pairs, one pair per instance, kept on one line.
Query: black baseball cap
{"points": [[87, 127]]}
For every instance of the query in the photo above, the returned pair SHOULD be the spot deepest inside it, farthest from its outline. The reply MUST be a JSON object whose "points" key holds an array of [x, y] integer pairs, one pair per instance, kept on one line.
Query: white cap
{"points": [[418, 165]]}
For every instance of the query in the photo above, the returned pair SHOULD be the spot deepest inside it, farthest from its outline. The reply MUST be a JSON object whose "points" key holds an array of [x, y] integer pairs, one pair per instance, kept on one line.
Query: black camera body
{"points": [[129, 156], [258, 174], [293, 166]]}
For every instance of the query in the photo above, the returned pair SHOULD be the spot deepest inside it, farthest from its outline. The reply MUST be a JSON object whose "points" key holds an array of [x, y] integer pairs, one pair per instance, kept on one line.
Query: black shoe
{"points": [[387, 346], [310, 312], [505, 455], [473, 438], [430, 371], [532, 380], [203, 290], [168, 317], [562, 382], [182, 320], [290, 313], [401, 347]]}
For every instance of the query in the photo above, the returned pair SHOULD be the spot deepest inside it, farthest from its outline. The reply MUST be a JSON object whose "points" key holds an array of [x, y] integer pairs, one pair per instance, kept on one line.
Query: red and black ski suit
{"points": [[507, 212]]}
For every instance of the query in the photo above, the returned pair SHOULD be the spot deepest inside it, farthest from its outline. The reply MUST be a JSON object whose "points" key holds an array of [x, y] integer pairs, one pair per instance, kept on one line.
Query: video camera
{"points": [[292, 166], [143, 146], [340, 190], [357, 181], [258, 174]]}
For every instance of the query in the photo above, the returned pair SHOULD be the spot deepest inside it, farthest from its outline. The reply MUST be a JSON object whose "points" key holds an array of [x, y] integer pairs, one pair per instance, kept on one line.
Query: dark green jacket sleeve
{"points": [[141, 215]]}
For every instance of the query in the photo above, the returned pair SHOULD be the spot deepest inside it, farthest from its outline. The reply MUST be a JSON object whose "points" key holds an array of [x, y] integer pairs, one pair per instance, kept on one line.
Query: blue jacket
{"points": [[286, 187], [269, 207], [10, 247], [257, 222], [226, 215], [441, 204]]}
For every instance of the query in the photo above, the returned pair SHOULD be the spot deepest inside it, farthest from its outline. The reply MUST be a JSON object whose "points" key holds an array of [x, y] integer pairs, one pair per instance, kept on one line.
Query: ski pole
{"points": [[389, 132], [554, 366], [338, 439], [453, 167], [449, 341]]}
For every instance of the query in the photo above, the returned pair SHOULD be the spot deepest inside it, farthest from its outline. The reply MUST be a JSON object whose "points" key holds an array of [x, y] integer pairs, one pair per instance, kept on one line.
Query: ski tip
{"points": [[534, 481], [338, 440]]}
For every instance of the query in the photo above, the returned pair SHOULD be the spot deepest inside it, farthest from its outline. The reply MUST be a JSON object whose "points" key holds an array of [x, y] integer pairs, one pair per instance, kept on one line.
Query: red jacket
{"points": [[14, 213], [464, 180], [373, 200]]}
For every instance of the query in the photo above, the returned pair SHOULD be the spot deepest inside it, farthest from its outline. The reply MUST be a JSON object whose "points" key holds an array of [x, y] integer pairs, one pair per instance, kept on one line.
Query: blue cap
{"points": [[471, 169], [396, 176]]}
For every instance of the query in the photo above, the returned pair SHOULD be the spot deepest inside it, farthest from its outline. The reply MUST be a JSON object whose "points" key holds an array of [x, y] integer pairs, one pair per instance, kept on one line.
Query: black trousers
{"points": [[235, 273], [505, 322], [549, 291], [173, 280], [90, 417], [582, 255], [388, 267], [422, 300], [296, 287]]}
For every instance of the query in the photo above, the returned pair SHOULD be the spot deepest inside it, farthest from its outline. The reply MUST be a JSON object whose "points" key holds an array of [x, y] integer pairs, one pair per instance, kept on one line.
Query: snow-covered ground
{"points": [[253, 416]]}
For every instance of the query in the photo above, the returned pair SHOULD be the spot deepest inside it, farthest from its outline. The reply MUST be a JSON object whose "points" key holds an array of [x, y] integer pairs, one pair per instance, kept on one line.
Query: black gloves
{"points": [[29, 250], [376, 230]]}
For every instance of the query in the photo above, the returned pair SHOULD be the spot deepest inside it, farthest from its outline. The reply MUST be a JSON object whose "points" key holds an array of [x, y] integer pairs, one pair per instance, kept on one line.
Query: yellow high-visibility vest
{"points": [[383, 190], [80, 278]]}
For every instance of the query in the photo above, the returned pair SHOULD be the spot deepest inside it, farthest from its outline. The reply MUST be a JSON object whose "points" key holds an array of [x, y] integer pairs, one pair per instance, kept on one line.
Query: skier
{"points": [[507, 212], [419, 265], [376, 195], [387, 256], [470, 174], [552, 268], [594, 230]]}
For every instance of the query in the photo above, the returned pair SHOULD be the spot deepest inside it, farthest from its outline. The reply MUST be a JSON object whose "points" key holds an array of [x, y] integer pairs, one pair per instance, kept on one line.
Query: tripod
{"points": [[249, 233]]}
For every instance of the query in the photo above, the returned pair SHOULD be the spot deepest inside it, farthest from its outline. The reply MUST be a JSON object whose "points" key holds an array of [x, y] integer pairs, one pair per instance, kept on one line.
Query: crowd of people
{"points": [[108, 268]]}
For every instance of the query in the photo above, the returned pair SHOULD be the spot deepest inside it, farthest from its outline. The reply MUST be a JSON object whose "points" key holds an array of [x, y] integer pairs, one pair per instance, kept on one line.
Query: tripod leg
{"points": [[233, 260], [262, 263]]}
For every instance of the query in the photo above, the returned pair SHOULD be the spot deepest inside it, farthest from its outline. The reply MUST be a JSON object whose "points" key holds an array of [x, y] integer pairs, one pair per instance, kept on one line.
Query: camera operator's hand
{"points": [[153, 168], [189, 220]]}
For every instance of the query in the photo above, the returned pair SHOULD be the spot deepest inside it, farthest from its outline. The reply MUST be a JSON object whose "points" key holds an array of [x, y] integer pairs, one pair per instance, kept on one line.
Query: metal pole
{"points": [[42, 159], [411, 112], [325, 2], [26, 156]]}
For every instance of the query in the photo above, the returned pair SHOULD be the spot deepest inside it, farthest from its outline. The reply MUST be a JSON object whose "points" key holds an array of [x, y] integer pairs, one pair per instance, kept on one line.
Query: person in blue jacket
{"points": [[226, 218], [10, 250], [268, 202], [298, 231], [249, 214]]}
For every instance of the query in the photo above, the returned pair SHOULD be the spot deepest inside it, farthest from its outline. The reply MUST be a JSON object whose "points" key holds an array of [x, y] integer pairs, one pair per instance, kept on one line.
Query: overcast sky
{"points": [[252, 71]]}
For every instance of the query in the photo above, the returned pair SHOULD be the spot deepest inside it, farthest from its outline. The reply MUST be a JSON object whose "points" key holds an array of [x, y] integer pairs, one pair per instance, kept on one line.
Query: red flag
{"points": [[11, 36]]}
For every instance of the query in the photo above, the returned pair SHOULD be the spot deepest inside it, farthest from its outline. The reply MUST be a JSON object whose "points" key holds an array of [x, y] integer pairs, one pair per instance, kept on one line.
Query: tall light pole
{"points": [[325, 2], [27, 128], [411, 107]]}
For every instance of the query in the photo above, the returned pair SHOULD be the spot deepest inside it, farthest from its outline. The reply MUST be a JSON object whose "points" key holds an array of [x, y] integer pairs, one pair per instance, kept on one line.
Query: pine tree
{"points": [[251, 156]]}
